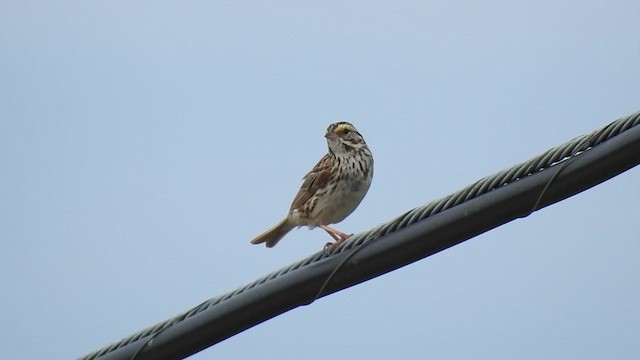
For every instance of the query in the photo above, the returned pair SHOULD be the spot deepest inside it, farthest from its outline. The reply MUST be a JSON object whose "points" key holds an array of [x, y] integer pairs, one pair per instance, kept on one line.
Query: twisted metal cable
{"points": [[553, 157]]}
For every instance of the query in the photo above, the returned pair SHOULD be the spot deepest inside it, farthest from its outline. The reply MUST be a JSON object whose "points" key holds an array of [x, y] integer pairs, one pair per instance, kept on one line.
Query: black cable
{"points": [[550, 177]]}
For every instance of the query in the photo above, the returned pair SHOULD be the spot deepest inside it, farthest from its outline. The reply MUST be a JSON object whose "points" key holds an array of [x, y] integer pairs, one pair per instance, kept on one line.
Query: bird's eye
{"points": [[344, 131]]}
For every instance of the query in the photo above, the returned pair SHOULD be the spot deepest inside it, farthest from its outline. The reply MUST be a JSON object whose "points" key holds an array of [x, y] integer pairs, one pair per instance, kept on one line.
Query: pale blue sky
{"points": [[144, 144]]}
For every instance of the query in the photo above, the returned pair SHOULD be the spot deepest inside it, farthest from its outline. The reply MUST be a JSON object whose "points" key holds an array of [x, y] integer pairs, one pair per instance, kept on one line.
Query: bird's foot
{"points": [[337, 235]]}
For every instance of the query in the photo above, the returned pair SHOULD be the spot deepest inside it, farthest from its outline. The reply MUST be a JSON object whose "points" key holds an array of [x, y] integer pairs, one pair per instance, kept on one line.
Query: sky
{"points": [[144, 144]]}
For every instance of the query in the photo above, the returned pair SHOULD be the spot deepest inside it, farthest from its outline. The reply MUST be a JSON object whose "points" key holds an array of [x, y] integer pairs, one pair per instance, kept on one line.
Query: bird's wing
{"points": [[316, 179]]}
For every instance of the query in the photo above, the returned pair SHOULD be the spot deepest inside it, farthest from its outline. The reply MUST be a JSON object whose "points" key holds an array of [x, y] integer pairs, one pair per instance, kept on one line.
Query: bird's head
{"points": [[342, 137]]}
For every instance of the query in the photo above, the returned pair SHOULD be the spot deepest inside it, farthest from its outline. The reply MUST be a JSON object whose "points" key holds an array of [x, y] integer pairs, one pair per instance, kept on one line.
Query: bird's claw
{"points": [[331, 245]]}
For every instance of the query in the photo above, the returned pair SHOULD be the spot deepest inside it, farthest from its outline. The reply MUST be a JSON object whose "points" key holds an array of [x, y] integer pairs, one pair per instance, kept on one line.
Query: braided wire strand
{"points": [[545, 160]]}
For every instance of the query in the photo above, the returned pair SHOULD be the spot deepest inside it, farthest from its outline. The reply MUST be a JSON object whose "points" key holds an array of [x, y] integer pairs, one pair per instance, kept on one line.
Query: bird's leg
{"points": [[334, 233], [338, 236]]}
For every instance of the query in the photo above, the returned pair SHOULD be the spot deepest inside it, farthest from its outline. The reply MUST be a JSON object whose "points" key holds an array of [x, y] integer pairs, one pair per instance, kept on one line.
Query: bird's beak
{"points": [[331, 135]]}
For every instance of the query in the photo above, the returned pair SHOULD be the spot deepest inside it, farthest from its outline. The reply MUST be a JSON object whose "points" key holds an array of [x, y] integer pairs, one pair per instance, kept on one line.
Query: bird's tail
{"points": [[273, 235]]}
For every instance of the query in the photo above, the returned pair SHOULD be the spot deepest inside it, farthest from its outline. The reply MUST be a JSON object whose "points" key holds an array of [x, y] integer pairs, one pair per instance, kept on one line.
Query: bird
{"points": [[332, 190]]}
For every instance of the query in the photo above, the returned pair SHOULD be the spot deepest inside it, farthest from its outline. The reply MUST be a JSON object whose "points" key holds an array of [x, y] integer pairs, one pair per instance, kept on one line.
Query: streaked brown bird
{"points": [[332, 189]]}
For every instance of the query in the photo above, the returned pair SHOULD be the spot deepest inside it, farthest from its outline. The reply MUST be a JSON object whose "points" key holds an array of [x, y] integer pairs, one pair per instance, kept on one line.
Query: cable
{"points": [[513, 193]]}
